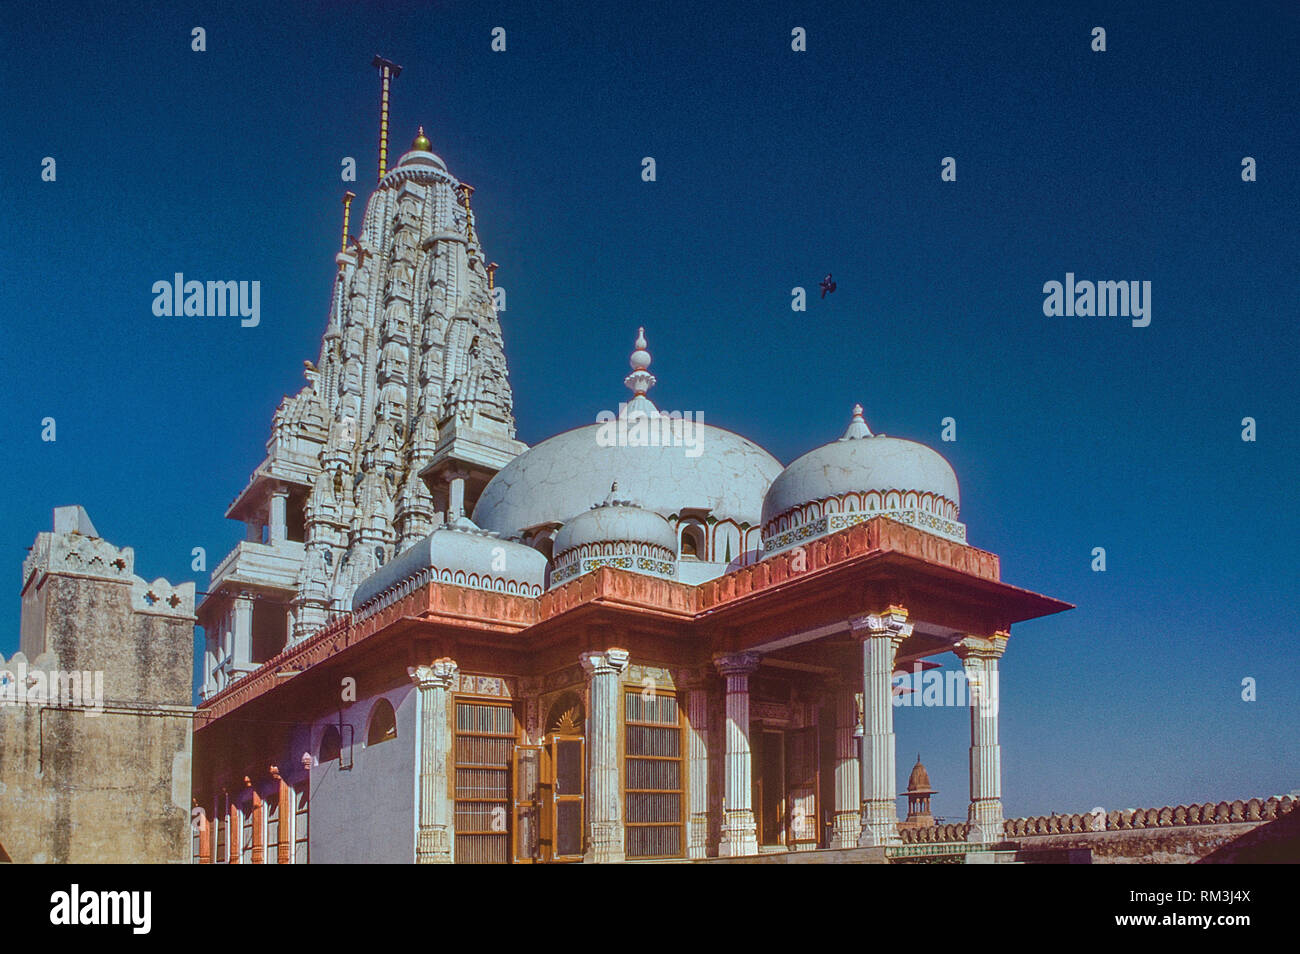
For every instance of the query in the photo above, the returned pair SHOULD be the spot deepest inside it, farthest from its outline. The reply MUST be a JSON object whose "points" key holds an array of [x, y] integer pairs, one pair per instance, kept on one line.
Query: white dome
{"points": [[462, 555], [864, 474], [615, 533], [619, 523], [665, 464]]}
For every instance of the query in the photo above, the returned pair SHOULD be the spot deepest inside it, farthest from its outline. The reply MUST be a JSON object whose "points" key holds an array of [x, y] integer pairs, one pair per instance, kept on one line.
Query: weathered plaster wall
{"points": [[367, 815], [112, 787]]}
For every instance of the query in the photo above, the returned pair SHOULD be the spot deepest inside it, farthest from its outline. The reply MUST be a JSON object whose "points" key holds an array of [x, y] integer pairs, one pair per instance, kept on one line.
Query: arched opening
{"points": [[692, 547], [383, 723], [330, 744]]}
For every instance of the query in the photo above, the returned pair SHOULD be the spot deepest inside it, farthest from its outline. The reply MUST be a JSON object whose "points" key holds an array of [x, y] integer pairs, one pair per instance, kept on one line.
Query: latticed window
{"points": [[652, 779], [485, 741]]}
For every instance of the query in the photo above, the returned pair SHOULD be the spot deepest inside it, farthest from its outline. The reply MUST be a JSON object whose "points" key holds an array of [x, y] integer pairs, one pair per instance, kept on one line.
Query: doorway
{"points": [[786, 780]]}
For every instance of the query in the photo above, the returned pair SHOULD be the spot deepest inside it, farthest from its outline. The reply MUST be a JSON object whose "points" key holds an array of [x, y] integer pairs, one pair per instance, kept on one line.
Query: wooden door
{"points": [[801, 788], [771, 776], [528, 803], [562, 789]]}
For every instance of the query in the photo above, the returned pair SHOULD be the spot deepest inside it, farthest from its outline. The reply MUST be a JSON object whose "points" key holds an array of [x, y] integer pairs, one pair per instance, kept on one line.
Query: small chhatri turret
{"points": [[918, 798]]}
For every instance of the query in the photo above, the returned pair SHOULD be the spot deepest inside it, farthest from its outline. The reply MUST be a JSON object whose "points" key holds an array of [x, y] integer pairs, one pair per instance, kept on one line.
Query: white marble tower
{"points": [[406, 415]]}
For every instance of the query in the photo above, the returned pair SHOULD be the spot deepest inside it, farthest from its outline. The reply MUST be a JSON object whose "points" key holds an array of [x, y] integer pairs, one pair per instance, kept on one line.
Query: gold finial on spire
{"points": [[421, 141], [390, 71], [492, 275], [467, 190], [347, 215]]}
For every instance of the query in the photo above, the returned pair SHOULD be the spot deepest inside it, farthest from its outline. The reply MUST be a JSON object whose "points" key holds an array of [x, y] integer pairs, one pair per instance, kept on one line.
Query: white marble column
{"points": [[847, 822], [697, 714], [241, 654], [739, 833], [605, 829], [980, 657], [210, 660], [456, 494], [278, 530], [436, 840], [881, 636]]}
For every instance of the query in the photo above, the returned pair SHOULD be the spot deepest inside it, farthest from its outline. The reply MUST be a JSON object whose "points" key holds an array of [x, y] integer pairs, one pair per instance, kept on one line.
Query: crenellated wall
{"points": [[95, 728]]}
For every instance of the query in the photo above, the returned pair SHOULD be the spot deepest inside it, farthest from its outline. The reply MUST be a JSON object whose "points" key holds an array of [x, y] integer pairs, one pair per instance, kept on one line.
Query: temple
{"points": [[644, 638]]}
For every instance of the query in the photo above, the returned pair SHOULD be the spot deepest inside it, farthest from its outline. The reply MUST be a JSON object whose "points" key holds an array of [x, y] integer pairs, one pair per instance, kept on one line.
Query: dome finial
{"points": [[421, 141], [857, 427], [640, 380]]}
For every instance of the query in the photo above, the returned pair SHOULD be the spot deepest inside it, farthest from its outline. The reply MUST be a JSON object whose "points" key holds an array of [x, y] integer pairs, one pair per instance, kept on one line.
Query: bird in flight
{"points": [[827, 285]]}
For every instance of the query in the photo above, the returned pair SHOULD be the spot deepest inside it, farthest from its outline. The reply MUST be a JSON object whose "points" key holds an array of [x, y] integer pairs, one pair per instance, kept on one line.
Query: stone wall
{"points": [[96, 768]]}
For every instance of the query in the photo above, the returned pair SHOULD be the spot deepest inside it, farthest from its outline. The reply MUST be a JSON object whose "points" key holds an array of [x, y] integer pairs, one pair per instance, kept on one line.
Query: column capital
{"points": [[438, 675], [981, 647], [604, 663], [891, 624], [737, 664]]}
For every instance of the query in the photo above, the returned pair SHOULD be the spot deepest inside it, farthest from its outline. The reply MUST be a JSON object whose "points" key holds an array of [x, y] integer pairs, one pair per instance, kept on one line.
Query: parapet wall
{"points": [[1262, 830]]}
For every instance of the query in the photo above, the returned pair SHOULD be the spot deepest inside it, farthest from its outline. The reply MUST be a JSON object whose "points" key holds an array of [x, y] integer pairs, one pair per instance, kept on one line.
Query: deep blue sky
{"points": [[774, 167]]}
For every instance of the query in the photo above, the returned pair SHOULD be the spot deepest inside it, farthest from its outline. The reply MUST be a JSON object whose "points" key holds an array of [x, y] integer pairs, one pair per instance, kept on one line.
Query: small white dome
{"points": [[462, 555], [616, 521], [615, 533], [864, 475]]}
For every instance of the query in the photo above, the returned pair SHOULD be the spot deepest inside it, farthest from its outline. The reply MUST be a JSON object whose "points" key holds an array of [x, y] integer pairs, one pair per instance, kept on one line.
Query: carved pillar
{"points": [[847, 822], [980, 658], [205, 835], [435, 844], [455, 494], [279, 524], [259, 825], [739, 833], [881, 636], [286, 809], [241, 659], [697, 715], [234, 834], [210, 660], [604, 791]]}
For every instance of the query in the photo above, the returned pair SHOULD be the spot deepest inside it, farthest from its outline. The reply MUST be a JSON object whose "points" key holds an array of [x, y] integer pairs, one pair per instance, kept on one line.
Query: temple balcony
{"points": [[273, 566]]}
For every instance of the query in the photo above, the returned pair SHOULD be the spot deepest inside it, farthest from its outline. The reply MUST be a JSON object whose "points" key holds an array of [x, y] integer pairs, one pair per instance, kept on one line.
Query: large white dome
{"points": [[666, 465]]}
